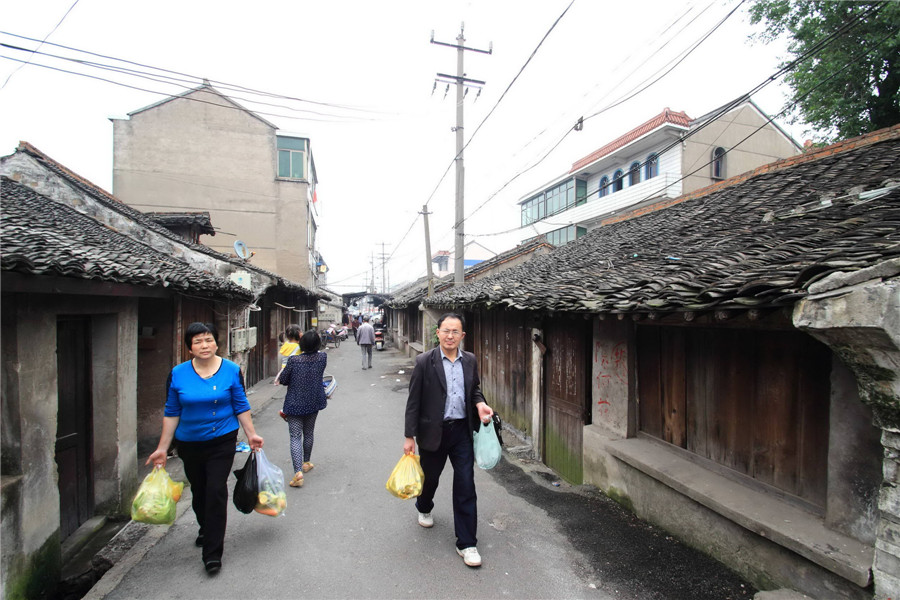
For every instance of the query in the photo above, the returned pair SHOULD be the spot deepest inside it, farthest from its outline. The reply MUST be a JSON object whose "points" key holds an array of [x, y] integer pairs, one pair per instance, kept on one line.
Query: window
{"points": [[718, 163], [634, 174], [604, 186], [554, 200], [291, 157], [651, 168], [559, 237], [618, 181]]}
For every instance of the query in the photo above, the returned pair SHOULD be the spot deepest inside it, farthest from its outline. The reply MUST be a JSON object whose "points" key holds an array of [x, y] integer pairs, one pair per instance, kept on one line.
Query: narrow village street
{"points": [[343, 536]]}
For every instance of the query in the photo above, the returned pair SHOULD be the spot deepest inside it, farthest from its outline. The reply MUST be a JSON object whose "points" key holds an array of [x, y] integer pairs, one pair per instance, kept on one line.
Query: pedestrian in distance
{"points": [[290, 345], [205, 404], [365, 338], [444, 408], [304, 399]]}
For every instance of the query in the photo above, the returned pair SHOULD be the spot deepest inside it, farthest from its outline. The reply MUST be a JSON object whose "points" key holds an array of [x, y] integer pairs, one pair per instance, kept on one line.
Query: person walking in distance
{"points": [[444, 408], [205, 404], [304, 399], [365, 338]]}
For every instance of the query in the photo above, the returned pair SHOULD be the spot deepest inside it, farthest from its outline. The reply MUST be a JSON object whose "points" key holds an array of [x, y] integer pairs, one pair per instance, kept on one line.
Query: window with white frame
{"points": [[291, 157], [604, 186], [634, 174], [554, 200], [718, 163], [618, 181], [651, 167]]}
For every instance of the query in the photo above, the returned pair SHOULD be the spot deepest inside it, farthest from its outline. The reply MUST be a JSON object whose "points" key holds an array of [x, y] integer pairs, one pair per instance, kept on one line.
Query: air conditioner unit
{"points": [[238, 340]]}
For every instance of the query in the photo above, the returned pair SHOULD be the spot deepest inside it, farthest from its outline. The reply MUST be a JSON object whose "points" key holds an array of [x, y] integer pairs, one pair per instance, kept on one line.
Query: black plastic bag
{"points": [[246, 490], [498, 425]]}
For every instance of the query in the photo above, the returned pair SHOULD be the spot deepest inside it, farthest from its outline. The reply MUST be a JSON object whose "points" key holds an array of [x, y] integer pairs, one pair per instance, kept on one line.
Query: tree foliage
{"points": [[849, 85]]}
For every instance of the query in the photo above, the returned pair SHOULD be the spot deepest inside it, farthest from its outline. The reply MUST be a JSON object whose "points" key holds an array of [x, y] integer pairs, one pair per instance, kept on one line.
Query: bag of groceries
{"points": [[156, 498], [271, 498], [407, 477], [246, 490]]}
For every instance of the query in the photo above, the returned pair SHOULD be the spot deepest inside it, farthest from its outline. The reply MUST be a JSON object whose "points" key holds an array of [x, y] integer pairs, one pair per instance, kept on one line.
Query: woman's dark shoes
{"points": [[199, 541], [213, 566]]}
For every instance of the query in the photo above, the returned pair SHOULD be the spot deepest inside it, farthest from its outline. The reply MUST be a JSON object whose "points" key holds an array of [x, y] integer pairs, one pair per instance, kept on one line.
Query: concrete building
{"points": [[202, 151], [665, 157]]}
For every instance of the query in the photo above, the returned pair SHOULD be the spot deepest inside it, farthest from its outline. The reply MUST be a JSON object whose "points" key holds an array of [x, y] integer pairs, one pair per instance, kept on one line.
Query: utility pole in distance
{"points": [[425, 214], [461, 83], [384, 256]]}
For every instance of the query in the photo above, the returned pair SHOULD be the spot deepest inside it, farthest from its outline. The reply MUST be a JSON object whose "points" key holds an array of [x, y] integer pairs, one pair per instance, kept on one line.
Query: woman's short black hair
{"points": [[310, 341], [452, 315], [195, 329], [293, 333]]}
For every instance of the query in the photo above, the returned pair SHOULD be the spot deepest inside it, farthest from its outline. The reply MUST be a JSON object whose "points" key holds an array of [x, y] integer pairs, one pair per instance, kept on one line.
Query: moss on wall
{"points": [[37, 575], [875, 387]]}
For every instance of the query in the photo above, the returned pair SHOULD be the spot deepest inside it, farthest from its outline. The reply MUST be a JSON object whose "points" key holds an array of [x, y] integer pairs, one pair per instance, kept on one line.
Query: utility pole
{"points": [[384, 256], [461, 83], [425, 214], [372, 266]]}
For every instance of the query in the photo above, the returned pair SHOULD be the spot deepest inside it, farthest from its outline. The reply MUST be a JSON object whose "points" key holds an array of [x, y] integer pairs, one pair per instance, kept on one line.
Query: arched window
{"points": [[618, 181], [651, 169], [604, 186], [718, 163], [634, 174]]}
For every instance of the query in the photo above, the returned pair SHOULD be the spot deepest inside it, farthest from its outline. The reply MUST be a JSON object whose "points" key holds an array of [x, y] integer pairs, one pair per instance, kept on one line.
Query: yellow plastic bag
{"points": [[156, 498], [407, 478]]}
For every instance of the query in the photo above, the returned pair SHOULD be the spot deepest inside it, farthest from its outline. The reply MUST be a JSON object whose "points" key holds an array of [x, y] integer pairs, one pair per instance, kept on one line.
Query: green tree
{"points": [[850, 85]]}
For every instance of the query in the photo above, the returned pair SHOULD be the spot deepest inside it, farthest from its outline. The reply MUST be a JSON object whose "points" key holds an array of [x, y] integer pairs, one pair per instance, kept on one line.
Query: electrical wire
{"points": [[727, 107], [43, 41], [221, 84], [769, 120]]}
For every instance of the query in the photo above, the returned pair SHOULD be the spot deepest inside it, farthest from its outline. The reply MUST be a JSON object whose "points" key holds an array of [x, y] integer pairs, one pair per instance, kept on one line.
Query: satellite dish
{"points": [[241, 249]]}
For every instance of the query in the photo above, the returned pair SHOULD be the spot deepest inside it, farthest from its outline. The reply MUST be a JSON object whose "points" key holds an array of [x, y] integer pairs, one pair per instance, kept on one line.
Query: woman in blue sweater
{"points": [[205, 404], [304, 399]]}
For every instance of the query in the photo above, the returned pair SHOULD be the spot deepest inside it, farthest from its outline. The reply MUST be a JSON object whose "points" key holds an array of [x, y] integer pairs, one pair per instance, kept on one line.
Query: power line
{"points": [[223, 85], [822, 43], [769, 119], [43, 41]]}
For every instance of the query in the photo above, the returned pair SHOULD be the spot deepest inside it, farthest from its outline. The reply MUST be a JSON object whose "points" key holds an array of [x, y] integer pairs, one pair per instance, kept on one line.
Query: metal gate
{"points": [[565, 396]]}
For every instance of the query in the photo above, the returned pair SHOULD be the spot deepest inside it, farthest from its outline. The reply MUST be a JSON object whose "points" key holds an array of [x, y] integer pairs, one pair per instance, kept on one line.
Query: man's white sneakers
{"points": [[470, 556], [426, 520]]}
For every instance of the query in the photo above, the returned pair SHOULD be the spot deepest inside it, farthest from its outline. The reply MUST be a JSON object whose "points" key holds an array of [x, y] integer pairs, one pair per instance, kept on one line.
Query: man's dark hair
{"points": [[310, 341], [293, 333], [452, 315], [195, 329]]}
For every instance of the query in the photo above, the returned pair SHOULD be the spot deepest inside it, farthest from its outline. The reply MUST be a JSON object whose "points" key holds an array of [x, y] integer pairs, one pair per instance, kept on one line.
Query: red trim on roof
{"points": [[666, 116]]}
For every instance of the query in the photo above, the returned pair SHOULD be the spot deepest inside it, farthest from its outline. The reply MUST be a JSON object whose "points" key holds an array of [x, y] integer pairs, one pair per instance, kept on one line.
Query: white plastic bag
{"points": [[487, 446], [272, 499]]}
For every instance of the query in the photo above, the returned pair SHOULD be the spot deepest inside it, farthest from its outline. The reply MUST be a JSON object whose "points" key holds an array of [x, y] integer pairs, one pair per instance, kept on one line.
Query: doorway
{"points": [[74, 431]]}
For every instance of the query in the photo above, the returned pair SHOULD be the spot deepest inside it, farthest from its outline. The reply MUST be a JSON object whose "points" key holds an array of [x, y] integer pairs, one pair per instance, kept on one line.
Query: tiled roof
{"points": [[40, 236], [183, 219], [114, 203], [415, 292], [666, 116], [757, 240]]}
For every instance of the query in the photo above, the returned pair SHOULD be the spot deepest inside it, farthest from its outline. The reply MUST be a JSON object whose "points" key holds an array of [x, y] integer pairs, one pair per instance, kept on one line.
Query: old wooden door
{"points": [[565, 396], [74, 424]]}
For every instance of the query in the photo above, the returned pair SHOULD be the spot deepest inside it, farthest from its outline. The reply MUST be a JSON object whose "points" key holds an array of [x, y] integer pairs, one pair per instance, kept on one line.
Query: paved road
{"points": [[343, 536]]}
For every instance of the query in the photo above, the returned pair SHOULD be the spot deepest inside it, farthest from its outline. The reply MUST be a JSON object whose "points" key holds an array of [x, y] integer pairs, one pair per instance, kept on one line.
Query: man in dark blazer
{"points": [[444, 409]]}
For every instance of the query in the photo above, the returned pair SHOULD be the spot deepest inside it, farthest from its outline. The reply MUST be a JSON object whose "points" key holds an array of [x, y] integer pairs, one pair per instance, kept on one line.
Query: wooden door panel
{"points": [[565, 397], [74, 422]]}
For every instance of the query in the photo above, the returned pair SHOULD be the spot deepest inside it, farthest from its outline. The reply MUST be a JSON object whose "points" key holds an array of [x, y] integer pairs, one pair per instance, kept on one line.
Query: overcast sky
{"points": [[382, 140]]}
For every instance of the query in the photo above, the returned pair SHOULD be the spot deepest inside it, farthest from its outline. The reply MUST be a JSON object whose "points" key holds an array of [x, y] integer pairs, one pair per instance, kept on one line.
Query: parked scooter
{"points": [[343, 333], [379, 338]]}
